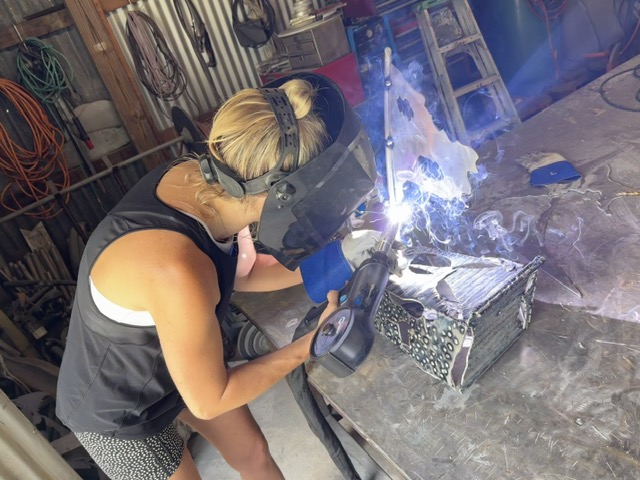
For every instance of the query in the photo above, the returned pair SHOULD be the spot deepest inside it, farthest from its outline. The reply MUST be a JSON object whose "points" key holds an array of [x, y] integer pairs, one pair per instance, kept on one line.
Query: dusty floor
{"points": [[297, 451]]}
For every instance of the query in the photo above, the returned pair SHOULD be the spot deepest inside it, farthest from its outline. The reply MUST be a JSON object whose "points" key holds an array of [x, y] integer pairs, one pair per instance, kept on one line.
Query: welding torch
{"points": [[346, 336]]}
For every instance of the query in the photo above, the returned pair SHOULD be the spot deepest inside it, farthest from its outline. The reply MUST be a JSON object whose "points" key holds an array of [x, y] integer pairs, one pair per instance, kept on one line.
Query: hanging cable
{"points": [[36, 171], [549, 11], [635, 71], [41, 71], [196, 30], [156, 66], [632, 37], [199, 37]]}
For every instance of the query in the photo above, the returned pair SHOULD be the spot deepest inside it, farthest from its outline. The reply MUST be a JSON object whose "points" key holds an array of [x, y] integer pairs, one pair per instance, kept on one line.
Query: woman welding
{"points": [[144, 344]]}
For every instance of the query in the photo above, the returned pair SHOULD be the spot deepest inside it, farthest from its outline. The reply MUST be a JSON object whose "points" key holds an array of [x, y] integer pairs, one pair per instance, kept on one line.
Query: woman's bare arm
{"points": [[177, 284], [267, 275]]}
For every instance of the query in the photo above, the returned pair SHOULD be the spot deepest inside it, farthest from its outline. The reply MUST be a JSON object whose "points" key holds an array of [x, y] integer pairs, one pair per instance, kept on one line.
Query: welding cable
{"points": [[632, 37], [199, 37], [603, 93], [156, 66], [36, 171], [196, 30]]}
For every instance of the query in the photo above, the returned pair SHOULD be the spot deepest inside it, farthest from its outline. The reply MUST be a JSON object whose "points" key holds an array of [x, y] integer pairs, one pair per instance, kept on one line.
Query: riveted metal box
{"points": [[455, 320]]}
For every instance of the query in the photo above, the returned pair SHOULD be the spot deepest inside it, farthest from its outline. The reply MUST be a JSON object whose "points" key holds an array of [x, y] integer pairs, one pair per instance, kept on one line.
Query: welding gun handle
{"points": [[367, 285]]}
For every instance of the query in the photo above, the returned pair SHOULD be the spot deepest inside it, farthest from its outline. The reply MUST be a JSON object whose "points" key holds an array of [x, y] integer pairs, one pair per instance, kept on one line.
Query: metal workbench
{"points": [[564, 401]]}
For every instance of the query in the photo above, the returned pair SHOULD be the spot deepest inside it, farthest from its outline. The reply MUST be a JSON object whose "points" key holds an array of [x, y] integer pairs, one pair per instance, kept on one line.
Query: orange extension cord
{"points": [[31, 172]]}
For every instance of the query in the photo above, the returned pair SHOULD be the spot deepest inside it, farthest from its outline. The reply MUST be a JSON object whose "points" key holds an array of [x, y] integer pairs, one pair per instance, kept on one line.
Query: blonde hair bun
{"points": [[301, 94]]}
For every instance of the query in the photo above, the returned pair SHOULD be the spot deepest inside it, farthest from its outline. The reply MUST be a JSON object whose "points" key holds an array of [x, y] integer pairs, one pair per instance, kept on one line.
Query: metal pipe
{"points": [[88, 180], [390, 169]]}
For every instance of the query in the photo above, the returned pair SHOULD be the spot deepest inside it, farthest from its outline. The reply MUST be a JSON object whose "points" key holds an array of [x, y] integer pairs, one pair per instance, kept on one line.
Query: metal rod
{"points": [[391, 180], [15, 27], [89, 180], [39, 283]]}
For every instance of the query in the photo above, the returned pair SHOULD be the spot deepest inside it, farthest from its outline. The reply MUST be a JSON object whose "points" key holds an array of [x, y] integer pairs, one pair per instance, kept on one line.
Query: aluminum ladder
{"points": [[469, 40]]}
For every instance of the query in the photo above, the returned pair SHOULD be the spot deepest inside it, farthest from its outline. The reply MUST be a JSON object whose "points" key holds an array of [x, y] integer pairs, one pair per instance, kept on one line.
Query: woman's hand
{"points": [[332, 304]]}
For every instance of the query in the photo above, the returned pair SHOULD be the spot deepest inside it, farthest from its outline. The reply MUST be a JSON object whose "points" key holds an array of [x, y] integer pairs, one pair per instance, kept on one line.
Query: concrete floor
{"points": [[300, 455], [297, 451]]}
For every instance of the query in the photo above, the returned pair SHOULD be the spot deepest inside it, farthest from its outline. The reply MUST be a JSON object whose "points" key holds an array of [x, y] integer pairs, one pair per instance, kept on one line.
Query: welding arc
{"points": [[32, 171]]}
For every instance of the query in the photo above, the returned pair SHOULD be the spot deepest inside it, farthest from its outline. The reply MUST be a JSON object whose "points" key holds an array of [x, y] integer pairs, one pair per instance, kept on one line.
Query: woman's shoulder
{"points": [[150, 263]]}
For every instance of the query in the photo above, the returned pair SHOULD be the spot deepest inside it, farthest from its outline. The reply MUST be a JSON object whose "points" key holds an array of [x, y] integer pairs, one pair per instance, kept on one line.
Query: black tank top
{"points": [[113, 378]]}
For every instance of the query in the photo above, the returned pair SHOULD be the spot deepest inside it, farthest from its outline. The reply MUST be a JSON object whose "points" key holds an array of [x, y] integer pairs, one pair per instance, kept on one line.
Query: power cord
{"points": [[156, 66], [549, 10], [37, 170], [635, 71]]}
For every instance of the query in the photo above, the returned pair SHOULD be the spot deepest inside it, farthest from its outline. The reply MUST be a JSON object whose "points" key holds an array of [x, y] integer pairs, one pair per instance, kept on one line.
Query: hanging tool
{"points": [[200, 39]]}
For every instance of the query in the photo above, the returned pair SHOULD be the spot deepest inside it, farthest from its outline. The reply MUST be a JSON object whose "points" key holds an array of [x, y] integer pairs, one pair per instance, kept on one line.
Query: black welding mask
{"points": [[307, 205]]}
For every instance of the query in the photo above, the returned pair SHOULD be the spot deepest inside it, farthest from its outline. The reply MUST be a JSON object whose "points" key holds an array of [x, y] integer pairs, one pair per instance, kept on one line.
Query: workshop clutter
{"points": [[455, 315], [42, 288]]}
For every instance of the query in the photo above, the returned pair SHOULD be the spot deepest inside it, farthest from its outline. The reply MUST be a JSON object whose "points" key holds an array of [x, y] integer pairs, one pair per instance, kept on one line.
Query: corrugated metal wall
{"points": [[236, 65], [236, 70]]}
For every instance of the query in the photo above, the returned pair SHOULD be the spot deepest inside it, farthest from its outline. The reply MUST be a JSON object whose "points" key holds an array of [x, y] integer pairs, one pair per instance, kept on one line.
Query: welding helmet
{"points": [[307, 205]]}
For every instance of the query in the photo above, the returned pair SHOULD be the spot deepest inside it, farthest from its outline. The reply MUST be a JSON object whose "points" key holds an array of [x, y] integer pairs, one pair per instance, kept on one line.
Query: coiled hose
{"points": [[41, 70]]}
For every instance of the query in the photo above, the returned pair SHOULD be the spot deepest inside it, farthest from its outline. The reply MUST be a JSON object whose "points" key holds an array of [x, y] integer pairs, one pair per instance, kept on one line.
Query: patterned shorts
{"points": [[153, 458]]}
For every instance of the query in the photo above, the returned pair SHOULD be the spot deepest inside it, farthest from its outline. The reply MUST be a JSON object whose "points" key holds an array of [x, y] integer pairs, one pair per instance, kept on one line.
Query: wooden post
{"points": [[36, 27], [92, 24]]}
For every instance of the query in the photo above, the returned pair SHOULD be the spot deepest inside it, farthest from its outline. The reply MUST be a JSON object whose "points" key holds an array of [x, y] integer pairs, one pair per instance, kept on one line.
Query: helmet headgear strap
{"points": [[214, 170]]}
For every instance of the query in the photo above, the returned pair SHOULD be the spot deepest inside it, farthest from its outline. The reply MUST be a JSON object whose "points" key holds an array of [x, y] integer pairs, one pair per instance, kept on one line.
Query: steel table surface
{"points": [[564, 401]]}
